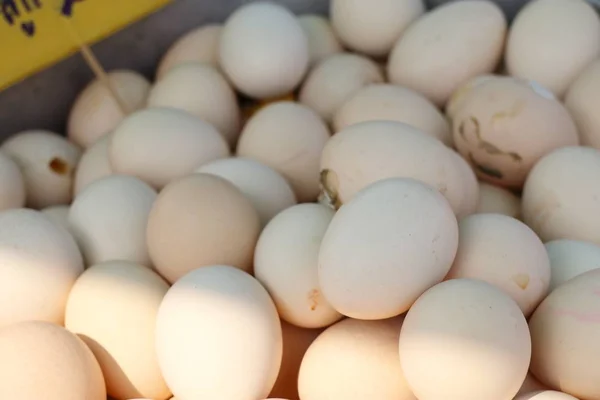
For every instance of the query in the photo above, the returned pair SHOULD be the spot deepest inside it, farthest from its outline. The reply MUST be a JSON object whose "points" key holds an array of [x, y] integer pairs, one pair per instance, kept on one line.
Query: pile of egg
{"points": [[391, 204]]}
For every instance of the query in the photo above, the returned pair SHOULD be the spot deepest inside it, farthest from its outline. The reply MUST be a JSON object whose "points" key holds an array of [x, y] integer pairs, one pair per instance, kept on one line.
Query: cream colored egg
{"points": [[96, 112], [561, 195], [108, 219], [41, 360], [322, 40], [373, 27], [507, 125], [506, 253], [263, 50], [369, 151], [12, 184], [47, 162], [159, 145], [530, 385], [461, 94], [285, 262], [335, 79], [439, 52], [288, 137], [93, 165], [39, 262], [393, 103], [564, 332], [218, 336], [355, 360], [546, 395], [266, 189], [495, 199], [295, 343], [464, 339], [580, 100], [198, 45], [570, 258], [201, 220], [534, 42], [201, 90], [113, 308], [395, 239], [59, 215]]}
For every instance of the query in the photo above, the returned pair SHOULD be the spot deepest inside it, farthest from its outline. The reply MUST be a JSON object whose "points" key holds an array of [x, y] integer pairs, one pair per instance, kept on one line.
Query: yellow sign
{"points": [[34, 34]]}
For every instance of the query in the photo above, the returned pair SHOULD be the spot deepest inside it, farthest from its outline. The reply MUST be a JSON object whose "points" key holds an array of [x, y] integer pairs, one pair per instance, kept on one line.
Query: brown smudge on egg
{"points": [[313, 297], [59, 166], [522, 280]]}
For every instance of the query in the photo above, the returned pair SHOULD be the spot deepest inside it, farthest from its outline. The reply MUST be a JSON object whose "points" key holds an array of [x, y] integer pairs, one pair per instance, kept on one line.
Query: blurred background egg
{"points": [[570, 258], [94, 164], [495, 199], [322, 40], [580, 99]]}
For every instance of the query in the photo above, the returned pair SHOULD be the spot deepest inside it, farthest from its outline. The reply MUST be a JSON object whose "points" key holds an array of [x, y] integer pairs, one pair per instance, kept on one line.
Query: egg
{"points": [[395, 239], [113, 308], [464, 339], [94, 164], [530, 385], [560, 197], [506, 125], [285, 262], [158, 145], [322, 40], [545, 395], [218, 336], [534, 42], [199, 45], [580, 100], [570, 258], [47, 162], [373, 27], [506, 253], [108, 219], [497, 200], [201, 90], [335, 79], [263, 50], [266, 189], [461, 94], [439, 52], [39, 263], [41, 360], [393, 103], [288, 137], [201, 220], [564, 331], [12, 184], [366, 152], [96, 112], [58, 214]]}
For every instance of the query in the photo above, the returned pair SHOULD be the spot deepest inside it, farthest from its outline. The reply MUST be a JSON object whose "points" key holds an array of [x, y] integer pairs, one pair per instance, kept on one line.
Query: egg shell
{"points": [[395, 239], [108, 219], [393, 103], [370, 151], [530, 385], [201, 220], [288, 137], [12, 184], [495, 199], [439, 52], [546, 395], [534, 42], [47, 162], [354, 360], [570, 258], [59, 215], [564, 331], [266, 189], [461, 94], [499, 123], [219, 320], [201, 90], [113, 308], [464, 339], [263, 50], [41, 360], [159, 145], [39, 263], [286, 263], [561, 195], [94, 164], [199, 45], [580, 100], [373, 27], [335, 79], [322, 41], [96, 112]]}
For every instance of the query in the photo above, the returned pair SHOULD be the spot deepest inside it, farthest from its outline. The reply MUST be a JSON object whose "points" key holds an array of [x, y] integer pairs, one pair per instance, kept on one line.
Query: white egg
{"points": [[12, 184], [322, 41], [93, 164], [570, 258]]}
